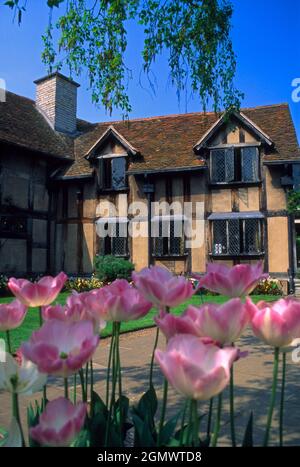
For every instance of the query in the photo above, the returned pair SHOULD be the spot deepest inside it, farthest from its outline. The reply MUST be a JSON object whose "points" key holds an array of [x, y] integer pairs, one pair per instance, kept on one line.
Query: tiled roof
{"points": [[162, 142], [22, 124], [167, 142]]}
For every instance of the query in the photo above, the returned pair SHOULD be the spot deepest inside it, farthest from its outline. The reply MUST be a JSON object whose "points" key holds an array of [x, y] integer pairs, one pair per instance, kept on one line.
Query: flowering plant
{"points": [[198, 359]]}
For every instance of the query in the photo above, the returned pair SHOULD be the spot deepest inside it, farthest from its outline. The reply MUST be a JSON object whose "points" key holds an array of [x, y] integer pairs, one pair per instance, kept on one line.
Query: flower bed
{"points": [[198, 361]]}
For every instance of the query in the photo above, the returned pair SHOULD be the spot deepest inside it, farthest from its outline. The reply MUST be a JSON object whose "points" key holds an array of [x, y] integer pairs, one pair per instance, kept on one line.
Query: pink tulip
{"points": [[79, 307], [39, 293], [161, 287], [196, 370], [237, 281], [122, 302], [60, 423], [61, 348], [12, 315], [276, 324], [222, 323]]}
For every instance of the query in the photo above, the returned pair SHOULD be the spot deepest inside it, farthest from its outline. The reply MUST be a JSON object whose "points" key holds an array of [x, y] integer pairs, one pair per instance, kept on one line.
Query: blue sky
{"points": [[265, 37]]}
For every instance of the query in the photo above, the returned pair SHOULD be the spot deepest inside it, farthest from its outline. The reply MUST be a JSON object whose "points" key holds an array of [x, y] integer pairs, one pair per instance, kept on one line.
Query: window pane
{"points": [[176, 238], [233, 236], [220, 237], [13, 225], [252, 236], [118, 172], [229, 165], [218, 172], [249, 164], [106, 173], [119, 240]]}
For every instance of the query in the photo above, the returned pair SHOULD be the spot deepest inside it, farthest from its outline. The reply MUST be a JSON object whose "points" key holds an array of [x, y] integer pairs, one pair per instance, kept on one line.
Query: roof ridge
{"points": [[188, 114], [19, 95]]}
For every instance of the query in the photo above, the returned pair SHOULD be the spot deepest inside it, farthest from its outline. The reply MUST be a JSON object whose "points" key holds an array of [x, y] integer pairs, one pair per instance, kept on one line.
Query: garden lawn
{"points": [[31, 321]]}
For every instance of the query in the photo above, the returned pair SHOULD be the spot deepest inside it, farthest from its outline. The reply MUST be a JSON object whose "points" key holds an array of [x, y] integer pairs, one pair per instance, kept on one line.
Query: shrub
{"points": [[108, 268], [4, 291]]}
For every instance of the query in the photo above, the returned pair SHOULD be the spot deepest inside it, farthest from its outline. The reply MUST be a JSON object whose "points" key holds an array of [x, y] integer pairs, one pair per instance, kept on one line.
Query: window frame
{"points": [[103, 162], [166, 240], [102, 241], [237, 167], [242, 253], [13, 232]]}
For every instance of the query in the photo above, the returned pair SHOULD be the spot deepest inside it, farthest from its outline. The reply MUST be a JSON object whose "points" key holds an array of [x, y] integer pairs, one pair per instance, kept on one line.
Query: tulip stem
{"points": [[114, 382], [181, 440], [66, 388], [273, 397], [75, 389], [40, 316], [217, 422], [8, 342], [86, 378], [282, 399], [119, 375], [211, 404], [45, 395], [231, 395], [108, 369], [92, 387], [84, 395], [152, 358], [190, 425], [16, 414], [195, 423], [163, 411]]}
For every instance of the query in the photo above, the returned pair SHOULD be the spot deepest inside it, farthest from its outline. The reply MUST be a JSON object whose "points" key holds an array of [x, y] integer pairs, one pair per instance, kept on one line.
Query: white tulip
{"points": [[20, 379]]}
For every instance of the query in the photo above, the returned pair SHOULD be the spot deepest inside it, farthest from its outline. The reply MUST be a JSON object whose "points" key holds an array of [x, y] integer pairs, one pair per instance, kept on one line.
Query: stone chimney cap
{"points": [[58, 75]]}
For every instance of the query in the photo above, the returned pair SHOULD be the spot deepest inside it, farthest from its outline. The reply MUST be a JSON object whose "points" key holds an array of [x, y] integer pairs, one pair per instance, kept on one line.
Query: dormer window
{"points": [[112, 172], [234, 164]]}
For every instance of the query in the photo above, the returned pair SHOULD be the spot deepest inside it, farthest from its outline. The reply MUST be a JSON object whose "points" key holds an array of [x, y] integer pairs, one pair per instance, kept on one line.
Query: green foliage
{"points": [[293, 204], [248, 436], [143, 416], [92, 38], [108, 268]]}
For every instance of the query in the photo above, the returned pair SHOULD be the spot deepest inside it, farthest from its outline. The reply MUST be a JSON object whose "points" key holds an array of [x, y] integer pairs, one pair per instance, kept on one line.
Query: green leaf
{"points": [[147, 405], [82, 440], [98, 404], [52, 3], [33, 416], [3, 436], [168, 430], [248, 436], [142, 435]]}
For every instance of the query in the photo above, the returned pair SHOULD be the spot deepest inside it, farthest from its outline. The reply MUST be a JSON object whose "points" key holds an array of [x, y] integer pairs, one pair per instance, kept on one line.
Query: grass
{"points": [[31, 321]]}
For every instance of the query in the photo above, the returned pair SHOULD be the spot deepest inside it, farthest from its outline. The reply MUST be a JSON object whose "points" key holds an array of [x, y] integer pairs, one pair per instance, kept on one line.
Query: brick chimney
{"points": [[56, 98]]}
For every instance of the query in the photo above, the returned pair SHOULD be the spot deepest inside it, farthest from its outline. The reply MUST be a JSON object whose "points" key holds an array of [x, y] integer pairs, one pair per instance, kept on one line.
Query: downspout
{"points": [[291, 247], [148, 190]]}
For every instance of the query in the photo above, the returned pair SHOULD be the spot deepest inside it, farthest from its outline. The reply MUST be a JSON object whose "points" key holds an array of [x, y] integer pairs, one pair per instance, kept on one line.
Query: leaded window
{"points": [[235, 164], [168, 238], [236, 237], [112, 173], [113, 238], [13, 225]]}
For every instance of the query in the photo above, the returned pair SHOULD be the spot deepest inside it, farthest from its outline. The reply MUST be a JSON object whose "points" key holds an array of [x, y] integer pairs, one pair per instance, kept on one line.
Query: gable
{"points": [[233, 129], [109, 142]]}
